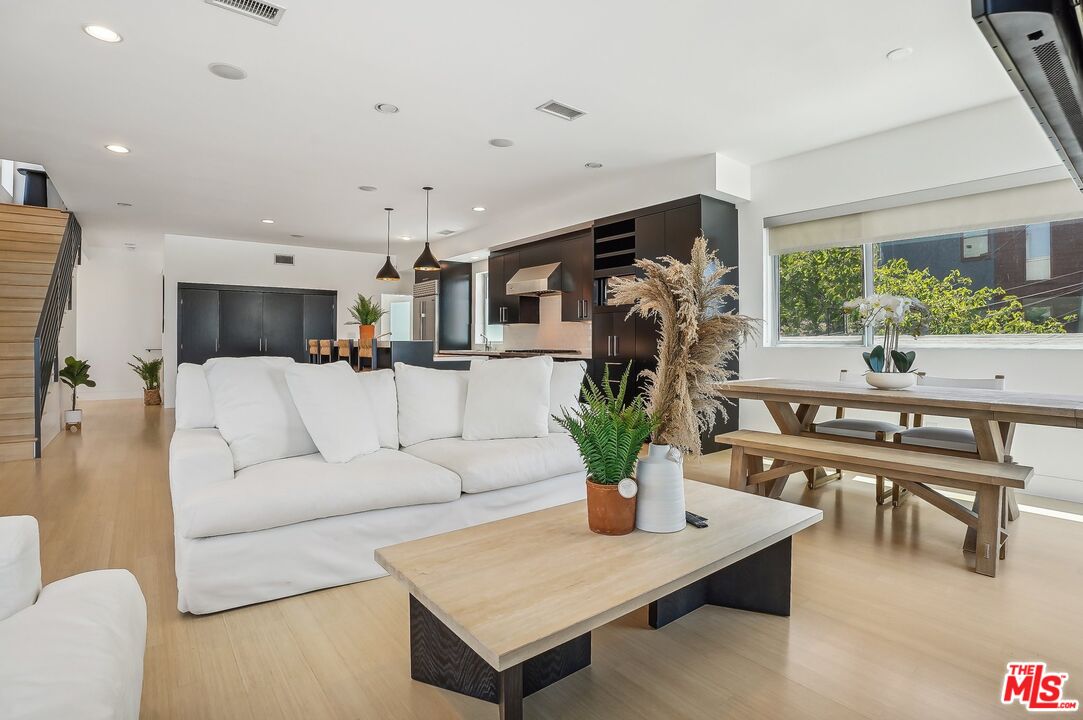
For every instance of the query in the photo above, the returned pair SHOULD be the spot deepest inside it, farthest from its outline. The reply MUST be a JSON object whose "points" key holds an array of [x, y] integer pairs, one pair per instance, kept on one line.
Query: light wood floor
{"points": [[887, 621]]}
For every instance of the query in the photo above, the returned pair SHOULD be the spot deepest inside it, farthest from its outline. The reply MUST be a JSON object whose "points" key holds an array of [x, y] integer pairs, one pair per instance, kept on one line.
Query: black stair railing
{"points": [[47, 335]]}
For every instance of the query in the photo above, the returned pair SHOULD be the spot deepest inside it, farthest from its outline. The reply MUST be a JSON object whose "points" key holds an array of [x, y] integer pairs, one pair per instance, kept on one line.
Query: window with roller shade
{"points": [[1019, 281]]}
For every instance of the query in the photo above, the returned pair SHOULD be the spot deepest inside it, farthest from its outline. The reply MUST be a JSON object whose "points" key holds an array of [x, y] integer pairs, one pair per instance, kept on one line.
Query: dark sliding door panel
{"points": [[197, 325], [283, 325], [319, 318], [240, 323]]}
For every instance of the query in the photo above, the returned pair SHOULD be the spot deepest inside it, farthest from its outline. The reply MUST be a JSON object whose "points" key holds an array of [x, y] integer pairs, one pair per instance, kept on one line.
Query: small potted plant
{"points": [[890, 368], [73, 374], [609, 435], [366, 313], [150, 372]]}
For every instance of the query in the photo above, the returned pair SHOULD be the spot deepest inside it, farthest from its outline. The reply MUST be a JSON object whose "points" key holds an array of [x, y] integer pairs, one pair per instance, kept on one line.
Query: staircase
{"points": [[31, 239]]}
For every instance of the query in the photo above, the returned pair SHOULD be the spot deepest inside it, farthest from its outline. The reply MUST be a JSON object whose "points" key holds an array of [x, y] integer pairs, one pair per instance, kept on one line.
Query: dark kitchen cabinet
{"points": [[651, 236], [240, 323], [614, 346], [577, 265], [682, 227], [284, 326], [454, 308], [503, 308], [234, 321], [197, 329]]}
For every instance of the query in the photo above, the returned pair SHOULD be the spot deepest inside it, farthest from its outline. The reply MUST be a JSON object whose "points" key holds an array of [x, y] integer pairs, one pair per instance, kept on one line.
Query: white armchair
{"points": [[73, 648]]}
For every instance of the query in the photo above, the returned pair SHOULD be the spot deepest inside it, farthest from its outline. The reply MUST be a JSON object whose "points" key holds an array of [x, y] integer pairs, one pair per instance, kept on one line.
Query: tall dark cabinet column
{"points": [[283, 325], [240, 322], [197, 332]]}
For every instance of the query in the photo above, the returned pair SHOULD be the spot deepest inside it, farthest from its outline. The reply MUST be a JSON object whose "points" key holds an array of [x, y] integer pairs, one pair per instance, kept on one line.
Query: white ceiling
{"points": [[660, 81]]}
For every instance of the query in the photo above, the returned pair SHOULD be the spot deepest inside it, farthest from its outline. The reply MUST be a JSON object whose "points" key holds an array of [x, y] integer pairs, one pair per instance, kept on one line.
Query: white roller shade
{"points": [[1042, 202]]}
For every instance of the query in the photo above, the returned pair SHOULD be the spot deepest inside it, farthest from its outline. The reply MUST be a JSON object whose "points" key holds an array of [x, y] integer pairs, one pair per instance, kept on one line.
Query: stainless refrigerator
{"points": [[424, 323]]}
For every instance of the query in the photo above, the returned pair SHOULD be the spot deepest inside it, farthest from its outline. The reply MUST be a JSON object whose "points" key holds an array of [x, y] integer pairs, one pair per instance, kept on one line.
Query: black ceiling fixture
{"points": [[388, 271], [426, 260]]}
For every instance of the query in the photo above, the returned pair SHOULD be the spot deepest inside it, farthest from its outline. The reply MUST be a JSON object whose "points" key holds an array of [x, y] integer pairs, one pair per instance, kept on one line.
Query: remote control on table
{"points": [[695, 520]]}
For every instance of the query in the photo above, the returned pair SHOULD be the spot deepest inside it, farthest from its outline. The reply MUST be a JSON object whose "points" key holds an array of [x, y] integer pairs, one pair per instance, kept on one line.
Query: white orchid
{"points": [[888, 312]]}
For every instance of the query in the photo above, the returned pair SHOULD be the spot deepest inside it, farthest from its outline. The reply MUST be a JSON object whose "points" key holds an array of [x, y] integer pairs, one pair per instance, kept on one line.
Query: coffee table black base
{"points": [[438, 657], [760, 582]]}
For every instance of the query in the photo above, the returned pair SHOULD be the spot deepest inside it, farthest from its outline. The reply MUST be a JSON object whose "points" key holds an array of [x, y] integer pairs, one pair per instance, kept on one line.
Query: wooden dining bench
{"points": [[913, 470]]}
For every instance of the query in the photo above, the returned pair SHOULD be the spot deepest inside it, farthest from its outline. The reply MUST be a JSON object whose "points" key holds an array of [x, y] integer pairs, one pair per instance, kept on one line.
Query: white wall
{"points": [[119, 296], [232, 262], [997, 139]]}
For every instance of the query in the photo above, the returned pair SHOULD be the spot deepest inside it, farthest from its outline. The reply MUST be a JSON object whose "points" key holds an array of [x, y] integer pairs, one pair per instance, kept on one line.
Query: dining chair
{"points": [[343, 348], [862, 429], [325, 351], [313, 350], [957, 439]]}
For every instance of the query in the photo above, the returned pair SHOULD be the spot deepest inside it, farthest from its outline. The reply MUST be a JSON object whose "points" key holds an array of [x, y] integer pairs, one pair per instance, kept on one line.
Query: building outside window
{"points": [[1022, 280]]}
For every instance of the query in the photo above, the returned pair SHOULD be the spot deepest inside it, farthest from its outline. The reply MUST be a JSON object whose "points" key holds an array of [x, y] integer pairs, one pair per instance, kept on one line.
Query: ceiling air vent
{"points": [[256, 9], [565, 112], [283, 259]]}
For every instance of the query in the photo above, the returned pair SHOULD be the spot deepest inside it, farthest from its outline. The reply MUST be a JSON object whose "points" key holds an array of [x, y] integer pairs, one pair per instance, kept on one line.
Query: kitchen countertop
{"points": [[458, 354]]}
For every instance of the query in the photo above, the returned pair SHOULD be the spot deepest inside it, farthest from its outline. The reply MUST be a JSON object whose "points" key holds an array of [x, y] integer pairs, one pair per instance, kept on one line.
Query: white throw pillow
{"points": [[564, 390], [431, 402], [193, 406], [379, 387], [508, 398], [254, 411], [335, 410]]}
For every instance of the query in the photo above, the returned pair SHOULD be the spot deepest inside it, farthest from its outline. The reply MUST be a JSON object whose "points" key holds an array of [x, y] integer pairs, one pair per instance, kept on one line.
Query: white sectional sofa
{"points": [[73, 649], [293, 522]]}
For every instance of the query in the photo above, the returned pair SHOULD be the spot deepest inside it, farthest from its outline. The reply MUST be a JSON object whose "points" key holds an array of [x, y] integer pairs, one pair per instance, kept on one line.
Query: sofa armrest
{"points": [[197, 458], [78, 651], [20, 564]]}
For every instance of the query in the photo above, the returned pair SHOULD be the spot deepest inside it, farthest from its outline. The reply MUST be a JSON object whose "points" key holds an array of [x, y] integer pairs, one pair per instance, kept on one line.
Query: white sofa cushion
{"points": [[20, 564], [193, 405], [304, 488], [334, 409], [564, 390], [77, 652], [431, 402], [379, 387], [508, 398], [254, 410], [485, 465]]}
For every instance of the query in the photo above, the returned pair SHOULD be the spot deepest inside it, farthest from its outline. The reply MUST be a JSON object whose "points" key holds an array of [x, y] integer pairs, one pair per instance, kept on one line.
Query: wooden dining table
{"points": [[992, 414]]}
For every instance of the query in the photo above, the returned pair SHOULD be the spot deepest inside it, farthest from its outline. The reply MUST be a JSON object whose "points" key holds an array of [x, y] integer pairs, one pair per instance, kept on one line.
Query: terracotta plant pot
{"points": [[152, 397], [366, 333], [609, 513]]}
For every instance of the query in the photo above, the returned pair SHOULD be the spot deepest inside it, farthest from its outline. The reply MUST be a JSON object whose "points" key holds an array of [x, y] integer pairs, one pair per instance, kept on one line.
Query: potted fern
{"points": [[74, 374], [609, 435], [366, 312], [150, 372]]}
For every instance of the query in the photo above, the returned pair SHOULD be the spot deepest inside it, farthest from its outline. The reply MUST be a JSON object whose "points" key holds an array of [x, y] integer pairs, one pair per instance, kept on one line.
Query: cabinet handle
{"points": [[616, 345]]}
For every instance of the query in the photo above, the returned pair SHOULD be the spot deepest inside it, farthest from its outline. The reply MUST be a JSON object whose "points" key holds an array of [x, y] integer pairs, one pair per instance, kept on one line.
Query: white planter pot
{"points": [[890, 381], [73, 416], [660, 502]]}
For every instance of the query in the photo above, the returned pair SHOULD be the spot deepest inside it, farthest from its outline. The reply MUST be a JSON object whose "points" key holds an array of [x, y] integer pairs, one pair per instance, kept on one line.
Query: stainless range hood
{"points": [[537, 280]]}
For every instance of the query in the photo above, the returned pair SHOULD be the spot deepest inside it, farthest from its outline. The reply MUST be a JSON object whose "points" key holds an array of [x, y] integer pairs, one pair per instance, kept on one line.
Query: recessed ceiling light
{"points": [[501, 142], [296, 235], [387, 108], [475, 257], [118, 149], [100, 32], [479, 208], [593, 165], [900, 53], [267, 221], [123, 204], [227, 72], [405, 237], [367, 188]]}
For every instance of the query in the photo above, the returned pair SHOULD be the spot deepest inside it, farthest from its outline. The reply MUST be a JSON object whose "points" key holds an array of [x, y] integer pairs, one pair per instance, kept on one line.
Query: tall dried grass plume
{"points": [[698, 337]]}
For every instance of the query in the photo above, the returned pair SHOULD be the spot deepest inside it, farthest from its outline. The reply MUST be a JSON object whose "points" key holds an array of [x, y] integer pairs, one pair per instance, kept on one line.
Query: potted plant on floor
{"points": [[889, 368], [609, 435], [366, 313], [150, 372], [74, 374], [698, 336]]}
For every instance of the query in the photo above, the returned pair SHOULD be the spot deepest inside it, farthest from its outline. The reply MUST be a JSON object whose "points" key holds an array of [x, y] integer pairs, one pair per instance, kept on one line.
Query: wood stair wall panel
{"points": [[16, 425], [17, 367], [26, 268], [28, 257], [21, 278], [17, 448], [17, 334], [17, 351], [13, 387], [17, 405], [22, 245]]}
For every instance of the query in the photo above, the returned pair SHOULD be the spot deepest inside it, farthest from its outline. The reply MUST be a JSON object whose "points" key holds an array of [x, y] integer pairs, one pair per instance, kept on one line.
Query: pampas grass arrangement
{"points": [[698, 337]]}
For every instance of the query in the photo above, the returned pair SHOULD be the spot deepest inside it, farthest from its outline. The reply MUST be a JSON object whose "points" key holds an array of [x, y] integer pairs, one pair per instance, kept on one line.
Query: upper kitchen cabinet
{"points": [[577, 264], [503, 308]]}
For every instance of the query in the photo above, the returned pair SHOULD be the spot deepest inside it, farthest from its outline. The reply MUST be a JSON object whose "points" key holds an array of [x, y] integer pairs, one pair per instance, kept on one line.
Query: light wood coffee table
{"points": [[501, 610]]}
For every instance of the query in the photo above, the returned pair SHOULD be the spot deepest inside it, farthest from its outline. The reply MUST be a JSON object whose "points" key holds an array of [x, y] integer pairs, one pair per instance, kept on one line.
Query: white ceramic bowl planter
{"points": [[890, 380], [660, 503]]}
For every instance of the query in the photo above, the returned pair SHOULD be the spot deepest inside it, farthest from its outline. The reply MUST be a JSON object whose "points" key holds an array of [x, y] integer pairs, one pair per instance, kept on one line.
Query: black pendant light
{"points": [[388, 271], [426, 260]]}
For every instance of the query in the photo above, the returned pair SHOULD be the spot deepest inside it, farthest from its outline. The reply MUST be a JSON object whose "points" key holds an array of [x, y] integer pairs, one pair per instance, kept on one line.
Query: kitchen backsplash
{"points": [[550, 333]]}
